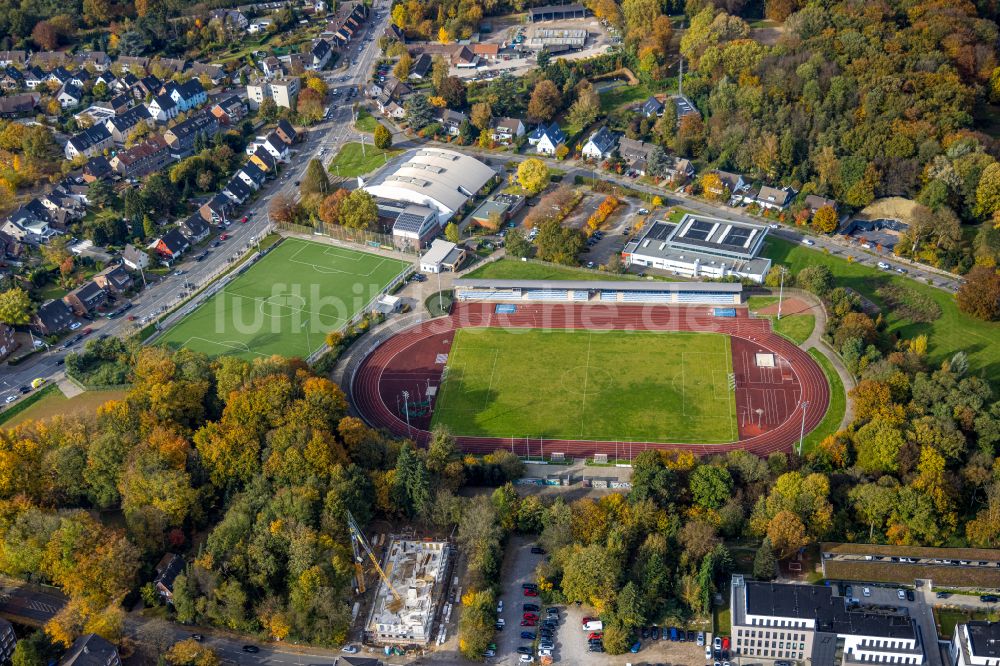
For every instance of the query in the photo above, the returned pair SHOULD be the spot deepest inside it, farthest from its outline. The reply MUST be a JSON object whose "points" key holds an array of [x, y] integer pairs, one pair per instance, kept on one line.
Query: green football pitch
{"points": [[286, 302], [589, 385]]}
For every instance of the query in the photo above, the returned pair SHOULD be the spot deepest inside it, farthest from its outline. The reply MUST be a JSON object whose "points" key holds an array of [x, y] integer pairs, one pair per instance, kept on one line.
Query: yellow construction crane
{"points": [[359, 543]]}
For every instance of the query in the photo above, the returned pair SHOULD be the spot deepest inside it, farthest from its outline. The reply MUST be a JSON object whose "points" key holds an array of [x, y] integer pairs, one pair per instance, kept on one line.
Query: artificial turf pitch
{"points": [[589, 385], [286, 302]]}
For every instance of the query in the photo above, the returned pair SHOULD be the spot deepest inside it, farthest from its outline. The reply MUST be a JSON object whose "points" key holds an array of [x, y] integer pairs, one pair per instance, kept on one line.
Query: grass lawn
{"points": [[352, 161], [50, 401], [947, 617], [286, 302], [722, 620], [838, 404], [511, 269], [591, 385], [951, 332], [366, 122], [616, 97], [796, 327], [760, 302]]}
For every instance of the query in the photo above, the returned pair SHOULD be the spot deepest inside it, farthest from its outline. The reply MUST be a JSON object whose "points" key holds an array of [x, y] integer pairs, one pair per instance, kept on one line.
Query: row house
{"points": [[216, 210], [194, 229], [170, 246], [252, 175], [7, 347], [320, 54], [236, 190], [13, 106], [86, 299], [182, 137], [97, 168], [52, 317], [48, 59], [90, 142], [264, 161], [187, 95], [146, 87], [144, 158], [345, 23], [125, 125], [272, 144], [162, 108]]}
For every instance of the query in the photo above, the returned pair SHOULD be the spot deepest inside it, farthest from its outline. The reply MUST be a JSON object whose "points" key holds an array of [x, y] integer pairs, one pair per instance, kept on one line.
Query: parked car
{"points": [[808, 241], [537, 550], [900, 594], [530, 592], [910, 596], [534, 608], [866, 591], [701, 638], [635, 647], [525, 649], [252, 649], [350, 649], [529, 635]]}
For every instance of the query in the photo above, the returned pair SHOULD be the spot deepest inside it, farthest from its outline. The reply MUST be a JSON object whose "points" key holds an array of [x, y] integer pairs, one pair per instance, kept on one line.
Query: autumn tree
{"points": [[545, 100], [283, 209], [765, 564], [533, 175], [190, 652], [315, 180], [402, 69], [979, 293], [359, 210], [451, 233], [481, 115], [383, 137], [711, 186], [331, 206], [15, 306], [825, 220]]}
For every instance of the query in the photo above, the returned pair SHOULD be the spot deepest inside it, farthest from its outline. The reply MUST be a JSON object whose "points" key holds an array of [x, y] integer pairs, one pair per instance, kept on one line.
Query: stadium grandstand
{"points": [[699, 246], [584, 291]]}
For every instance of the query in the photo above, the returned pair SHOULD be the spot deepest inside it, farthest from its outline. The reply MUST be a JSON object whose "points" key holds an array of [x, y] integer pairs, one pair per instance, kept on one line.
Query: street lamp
{"points": [[406, 410], [802, 430], [760, 415], [781, 290]]}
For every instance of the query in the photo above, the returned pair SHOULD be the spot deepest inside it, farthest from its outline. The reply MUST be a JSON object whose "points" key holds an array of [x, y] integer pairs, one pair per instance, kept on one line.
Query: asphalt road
{"points": [[321, 141]]}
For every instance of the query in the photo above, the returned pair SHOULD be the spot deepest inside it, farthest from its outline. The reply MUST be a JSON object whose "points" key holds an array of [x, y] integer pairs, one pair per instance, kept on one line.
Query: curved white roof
{"points": [[442, 179]]}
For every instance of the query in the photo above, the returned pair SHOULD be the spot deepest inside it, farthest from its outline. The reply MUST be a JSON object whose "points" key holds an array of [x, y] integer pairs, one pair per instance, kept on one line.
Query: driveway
{"points": [[920, 609]]}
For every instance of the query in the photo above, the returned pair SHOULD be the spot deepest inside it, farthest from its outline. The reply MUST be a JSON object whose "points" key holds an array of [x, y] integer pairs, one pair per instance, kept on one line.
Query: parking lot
{"points": [[919, 609], [518, 568]]}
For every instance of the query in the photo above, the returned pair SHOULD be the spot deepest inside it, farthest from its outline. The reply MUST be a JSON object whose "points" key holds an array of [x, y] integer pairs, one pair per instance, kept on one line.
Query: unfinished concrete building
{"points": [[416, 571]]}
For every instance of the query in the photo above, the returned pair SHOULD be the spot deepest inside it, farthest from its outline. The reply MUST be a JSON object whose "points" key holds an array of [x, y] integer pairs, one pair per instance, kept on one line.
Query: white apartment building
{"points": [[976, 644], [284, 92]]}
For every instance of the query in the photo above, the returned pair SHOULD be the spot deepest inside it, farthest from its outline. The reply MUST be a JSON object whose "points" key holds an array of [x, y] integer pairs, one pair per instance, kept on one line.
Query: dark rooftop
{"points": [[985, 638]]}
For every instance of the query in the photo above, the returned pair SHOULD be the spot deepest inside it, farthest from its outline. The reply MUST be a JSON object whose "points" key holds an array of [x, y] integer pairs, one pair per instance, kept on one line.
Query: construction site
{"points": [[409, 594]]}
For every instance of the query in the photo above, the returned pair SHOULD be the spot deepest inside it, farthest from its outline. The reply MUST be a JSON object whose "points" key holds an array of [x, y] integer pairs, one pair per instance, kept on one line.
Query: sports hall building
{"points": [[699, 246], [637, 292]]}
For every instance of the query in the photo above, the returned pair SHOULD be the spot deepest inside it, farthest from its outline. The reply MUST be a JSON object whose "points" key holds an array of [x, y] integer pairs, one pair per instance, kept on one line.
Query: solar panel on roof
{"points": [[659, 231], [408, 222], [698, 230], [736, 236]]}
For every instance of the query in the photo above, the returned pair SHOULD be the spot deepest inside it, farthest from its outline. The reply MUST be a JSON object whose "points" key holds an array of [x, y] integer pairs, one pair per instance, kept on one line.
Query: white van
{"points": [[593, 625]]}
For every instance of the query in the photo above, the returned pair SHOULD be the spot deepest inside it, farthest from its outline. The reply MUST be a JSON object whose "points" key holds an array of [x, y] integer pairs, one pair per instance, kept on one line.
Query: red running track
{"points": [[414, 358]]}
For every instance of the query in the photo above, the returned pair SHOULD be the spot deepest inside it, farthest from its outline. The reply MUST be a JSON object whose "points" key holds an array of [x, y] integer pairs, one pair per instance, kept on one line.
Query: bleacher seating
{"points": [[580, 295], [609, 296], [492, 295], [647, 297], [705, 298], [547, 294]]}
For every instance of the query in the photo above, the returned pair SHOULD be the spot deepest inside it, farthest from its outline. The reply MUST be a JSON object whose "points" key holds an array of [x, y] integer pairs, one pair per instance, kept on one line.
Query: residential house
{"points": [[170, 66], [507, 130], [19, 58], [53, 317], [421, 67], [251, 175], [635, 153], [394, 32], [147, 157], [97, 168], [236, 190], [91, 650], [125, 125], [162, 108], [216, 74], [320, 54], [260, 25], [80, 78], [230, 110], [7, 347], [114, 279], [271, 67], [133, 64], [12, 106], [169, 567], [187, 95], [86, 298], [601, 144], [652, 107], [107, 78], [452, 121], [272, 144], [393, 110], [170, 246], [58, 76], [464, 58], [345, 23], [120, 103], [183, 136], [392, 89], [11, 78], [33, 77], [69, 96], [126, 82], [146, 87], [546, 139], [814, 203], [90, 142], [194, 229], [216, 210], [679, 169], [231, 17], [286, 132], [732, 182], [135, 258], [98, 60], [773, 198], [264, 161], [10, 247]]}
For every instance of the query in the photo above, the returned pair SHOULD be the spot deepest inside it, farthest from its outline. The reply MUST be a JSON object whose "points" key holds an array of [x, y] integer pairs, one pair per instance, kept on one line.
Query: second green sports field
{"points": [[286, 302], [600, 385]]}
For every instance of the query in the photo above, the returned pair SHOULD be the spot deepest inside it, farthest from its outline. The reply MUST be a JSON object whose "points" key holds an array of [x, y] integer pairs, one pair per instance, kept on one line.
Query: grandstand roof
{"points": [[603, 285]]}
